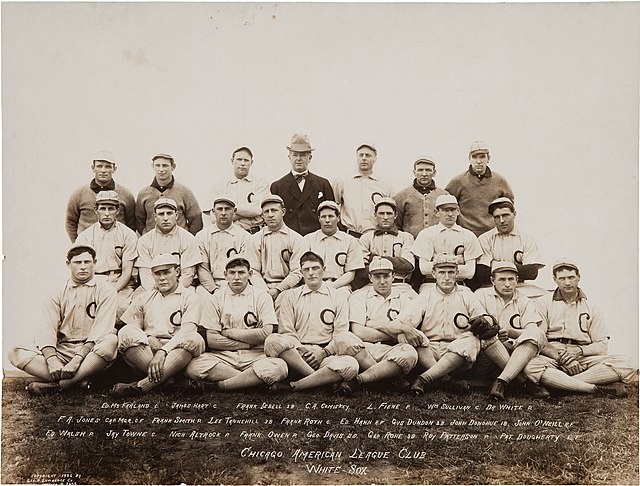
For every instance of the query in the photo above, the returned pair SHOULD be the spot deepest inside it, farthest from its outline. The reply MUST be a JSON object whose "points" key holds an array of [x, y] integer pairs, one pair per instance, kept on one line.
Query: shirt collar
{"points": [[371, 176], [424, 189], [456, 288], [95, 187], [487, 173], [228, 291], [322, 290], [155, 184], [455, 227], [392, 231], [170, 233], [215, 229], [557, 295], [283, 229], [235, 180], [90, 283], [305, 173]]}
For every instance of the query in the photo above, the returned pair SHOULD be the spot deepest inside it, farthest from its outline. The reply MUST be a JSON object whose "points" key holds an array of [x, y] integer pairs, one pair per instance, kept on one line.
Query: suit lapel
{"points": [[309, 188], [292, 186]]}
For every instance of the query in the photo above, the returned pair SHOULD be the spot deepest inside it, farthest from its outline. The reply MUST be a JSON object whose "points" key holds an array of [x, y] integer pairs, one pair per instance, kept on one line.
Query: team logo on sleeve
{"points": [[584, 320], [341, 258], [375, 197], [91, 310], [328, 317], [231, 251], [250, 197], [517, 257], [251, 320], [286, 255], [392, 314], [119, 251], [396, 249], [176, 318], [461, 321], [514, 322], [459, 251]]}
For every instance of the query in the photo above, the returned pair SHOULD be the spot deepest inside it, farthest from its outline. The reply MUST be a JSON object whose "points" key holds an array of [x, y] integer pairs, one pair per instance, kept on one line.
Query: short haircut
{"points": [[240, 262], [79, 250], [503, 205], [310, 256], [565, 267]]}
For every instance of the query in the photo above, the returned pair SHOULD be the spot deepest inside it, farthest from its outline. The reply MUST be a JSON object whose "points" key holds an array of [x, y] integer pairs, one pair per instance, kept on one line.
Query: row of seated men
{"points": [[301, 190], [317, 335]]}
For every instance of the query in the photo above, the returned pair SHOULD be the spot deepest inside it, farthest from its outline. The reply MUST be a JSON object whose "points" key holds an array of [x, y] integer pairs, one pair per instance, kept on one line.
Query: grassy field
{"points": [[370, 438]]}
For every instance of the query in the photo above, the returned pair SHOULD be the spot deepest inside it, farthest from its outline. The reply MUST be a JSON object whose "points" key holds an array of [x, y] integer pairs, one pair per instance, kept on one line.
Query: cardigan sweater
{"points": [[417, 210]]}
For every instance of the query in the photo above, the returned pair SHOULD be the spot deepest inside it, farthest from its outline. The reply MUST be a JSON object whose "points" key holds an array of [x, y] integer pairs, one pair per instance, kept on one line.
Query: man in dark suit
{"points": [[301, 190]]}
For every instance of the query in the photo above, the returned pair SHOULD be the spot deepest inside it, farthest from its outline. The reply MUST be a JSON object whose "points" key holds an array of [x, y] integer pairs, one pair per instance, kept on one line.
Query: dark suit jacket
{"points": [[302, 207]]}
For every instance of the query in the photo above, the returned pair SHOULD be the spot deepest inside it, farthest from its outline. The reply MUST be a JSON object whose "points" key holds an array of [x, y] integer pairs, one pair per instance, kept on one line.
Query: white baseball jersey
{"points": [[248, 191], [366, 305], [513, 316], [392, 243], [341, 252], [439, 239], [113, 246], [514, 247], [216, 246], [357, 196]]}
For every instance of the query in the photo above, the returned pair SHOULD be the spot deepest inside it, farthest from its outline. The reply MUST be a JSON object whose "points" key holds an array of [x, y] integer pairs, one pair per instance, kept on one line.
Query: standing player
{"points": [[243, 316], [164, 185], [302, 191], [357, 194], [576, 359], [81, 207], [160, 335], [76, 338], [217, 243], [245, 189], [476, 188], [387, 242], [115, 246], [340, 252], [312, 317], [167, 237]]}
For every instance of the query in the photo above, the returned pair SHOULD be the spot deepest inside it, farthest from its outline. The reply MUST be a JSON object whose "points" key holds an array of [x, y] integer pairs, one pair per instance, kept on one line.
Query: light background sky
{"points": [[553, 89]]}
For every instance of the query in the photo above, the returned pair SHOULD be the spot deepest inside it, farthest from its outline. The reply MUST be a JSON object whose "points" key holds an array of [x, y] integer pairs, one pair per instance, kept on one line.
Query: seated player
{"points": [[371, 312], [242, 316], [167, 237], [442, 313], [160, 335], [576, 359], [115, 246], [76, 338], [386, 241], [217, 243], [520, 337], [311, 318], [447, 237], [341, 252]]}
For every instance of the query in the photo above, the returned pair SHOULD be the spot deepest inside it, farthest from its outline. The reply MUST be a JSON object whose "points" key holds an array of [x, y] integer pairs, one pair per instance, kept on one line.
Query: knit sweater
{"points": [[81, 208], [416, 210], [189, 213], [474, 194]]}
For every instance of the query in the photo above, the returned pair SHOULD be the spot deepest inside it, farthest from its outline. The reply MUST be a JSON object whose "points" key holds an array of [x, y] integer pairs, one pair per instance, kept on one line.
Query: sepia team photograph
{"points": [[320, 243]]}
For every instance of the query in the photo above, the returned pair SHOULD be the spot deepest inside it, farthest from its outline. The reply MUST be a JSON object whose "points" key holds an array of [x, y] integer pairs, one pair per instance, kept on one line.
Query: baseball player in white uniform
{"points": [[441, 313], [160, 335], [245, 189], [312, 317], [116, 248], [447, 237], [520, 337], [167, 237], [274, 251], [371, 312], [576, 359], [243, 316], [217, 243], [340, 252], [76, 337], [386, 241]]}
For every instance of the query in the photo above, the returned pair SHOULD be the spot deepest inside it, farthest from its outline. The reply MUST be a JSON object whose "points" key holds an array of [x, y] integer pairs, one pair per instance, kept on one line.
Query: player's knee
{"points": [[130, 336], [348, 343], [275, 345], [193, 344]]}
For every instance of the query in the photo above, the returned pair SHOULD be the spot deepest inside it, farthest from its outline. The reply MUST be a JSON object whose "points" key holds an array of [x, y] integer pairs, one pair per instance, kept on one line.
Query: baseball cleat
{"points": [[536, 391], [497, 390], [280, 387], [614, 390], [41, 389], [346, 388], [417, 387], [401, 385], [126, 390]]}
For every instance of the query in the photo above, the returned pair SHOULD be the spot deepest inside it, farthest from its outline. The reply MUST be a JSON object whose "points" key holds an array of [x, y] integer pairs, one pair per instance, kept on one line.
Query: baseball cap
{"points": [[246, 149], [165, 259], [500, 200], [370, 145], [300, 143], [221, 198], [236, 257], [380, 265], [104, 156], [386, 200], [329, 204], [446, 200], [165, 201], [565, 262], [424, 159], [445, 260], [83, 246], [271, 198], [107, 197], [478, 147], [503, 267], [162, 156]]}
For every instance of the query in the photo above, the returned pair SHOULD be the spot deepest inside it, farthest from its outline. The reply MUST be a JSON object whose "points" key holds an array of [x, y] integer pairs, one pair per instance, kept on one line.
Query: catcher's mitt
{"points": [[484, 326]]}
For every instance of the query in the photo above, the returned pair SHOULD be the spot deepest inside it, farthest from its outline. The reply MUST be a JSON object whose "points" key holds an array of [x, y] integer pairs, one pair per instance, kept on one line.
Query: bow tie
{"points": [[301, 176]]}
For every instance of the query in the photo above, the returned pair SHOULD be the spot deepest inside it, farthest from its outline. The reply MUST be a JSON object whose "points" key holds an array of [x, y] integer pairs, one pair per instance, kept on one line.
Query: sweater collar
{"points": [[95, 187], [487, 173], [424, 189], [155, 184]]}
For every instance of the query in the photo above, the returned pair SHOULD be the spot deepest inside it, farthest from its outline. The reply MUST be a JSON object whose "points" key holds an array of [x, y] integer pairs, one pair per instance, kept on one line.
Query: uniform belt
{"points": [[565, 341], [353, 233]]}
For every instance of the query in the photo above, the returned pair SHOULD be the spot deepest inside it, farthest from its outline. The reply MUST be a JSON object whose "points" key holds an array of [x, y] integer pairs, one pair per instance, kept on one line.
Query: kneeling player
{"points": [[242, 317]]}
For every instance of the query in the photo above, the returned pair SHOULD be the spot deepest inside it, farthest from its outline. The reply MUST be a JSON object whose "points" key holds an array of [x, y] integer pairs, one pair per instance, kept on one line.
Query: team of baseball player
{"points": [[303, 283]]}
